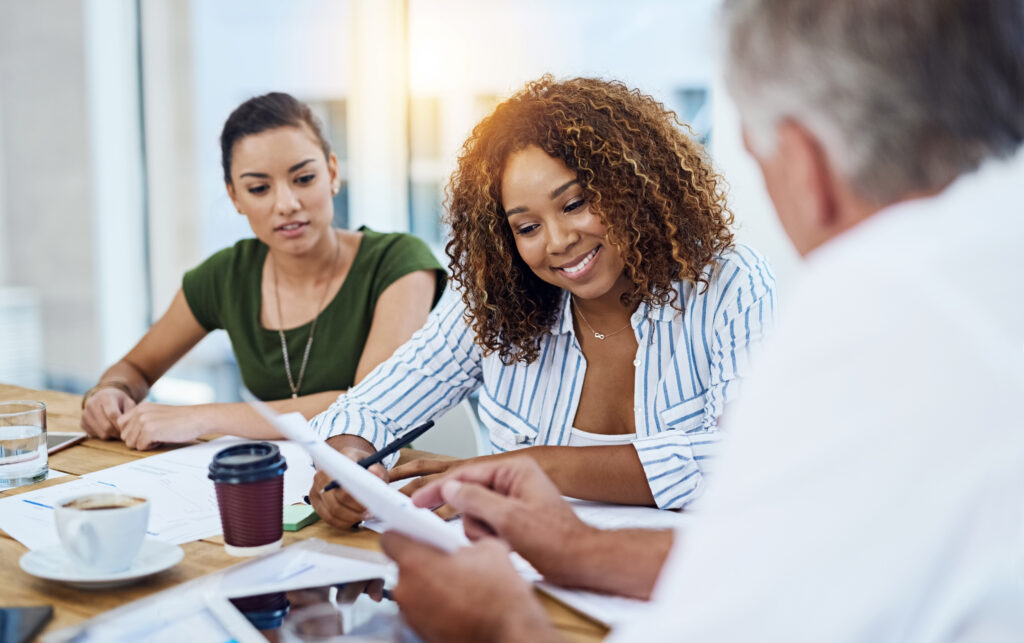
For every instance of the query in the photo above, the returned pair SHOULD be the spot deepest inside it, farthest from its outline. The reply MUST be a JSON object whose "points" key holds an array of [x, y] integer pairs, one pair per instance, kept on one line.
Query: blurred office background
{"points": [[110, 111]]}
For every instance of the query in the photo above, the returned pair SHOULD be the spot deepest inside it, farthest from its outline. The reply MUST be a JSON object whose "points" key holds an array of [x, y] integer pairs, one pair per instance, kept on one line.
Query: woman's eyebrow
{"points": [[299, 165], [562, 188], [554, 195], [262, 175]]}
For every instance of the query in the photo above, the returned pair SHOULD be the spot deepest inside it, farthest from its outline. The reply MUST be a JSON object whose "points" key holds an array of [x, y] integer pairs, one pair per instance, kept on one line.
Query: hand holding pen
{"points": [[340, 509], [391, 448]]}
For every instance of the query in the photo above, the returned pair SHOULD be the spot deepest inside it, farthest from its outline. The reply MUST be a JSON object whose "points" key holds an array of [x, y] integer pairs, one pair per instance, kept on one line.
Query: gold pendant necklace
{"points": [[597, 335], [295, 386]]}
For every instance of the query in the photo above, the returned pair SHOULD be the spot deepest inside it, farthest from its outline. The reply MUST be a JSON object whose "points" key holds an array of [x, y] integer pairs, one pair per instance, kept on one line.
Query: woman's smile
{"points": [[580, 267]]}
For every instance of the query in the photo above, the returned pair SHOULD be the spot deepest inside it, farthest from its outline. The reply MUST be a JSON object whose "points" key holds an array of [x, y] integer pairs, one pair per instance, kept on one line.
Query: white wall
{"points": [[241, 49], [46, 200]]}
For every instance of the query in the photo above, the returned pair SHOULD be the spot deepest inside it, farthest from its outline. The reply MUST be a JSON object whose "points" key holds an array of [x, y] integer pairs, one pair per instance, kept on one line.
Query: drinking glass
{"points": [[22, 443]]}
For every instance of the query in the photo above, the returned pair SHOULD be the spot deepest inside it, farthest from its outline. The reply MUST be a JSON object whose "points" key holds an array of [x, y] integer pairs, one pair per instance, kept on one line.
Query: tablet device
{"points": [[56, 441], [21, 624], [355, 609]]}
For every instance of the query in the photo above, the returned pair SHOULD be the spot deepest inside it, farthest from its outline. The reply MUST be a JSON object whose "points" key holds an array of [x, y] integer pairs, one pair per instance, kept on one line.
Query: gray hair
{"points": [[904, 95]]}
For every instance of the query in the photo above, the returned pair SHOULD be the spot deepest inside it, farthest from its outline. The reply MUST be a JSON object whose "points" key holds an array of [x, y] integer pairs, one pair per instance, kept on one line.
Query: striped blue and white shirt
{"points": [[686, 369]]}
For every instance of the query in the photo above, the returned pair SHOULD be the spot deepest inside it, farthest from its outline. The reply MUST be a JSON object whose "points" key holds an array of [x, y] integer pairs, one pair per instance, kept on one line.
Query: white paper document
{"points": [[198, 610], [393, 508], [183, 503], [605, 608]]}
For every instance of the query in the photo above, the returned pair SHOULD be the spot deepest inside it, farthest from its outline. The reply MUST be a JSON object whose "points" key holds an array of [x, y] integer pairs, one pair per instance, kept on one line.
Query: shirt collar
{"points": [[563, 323]]}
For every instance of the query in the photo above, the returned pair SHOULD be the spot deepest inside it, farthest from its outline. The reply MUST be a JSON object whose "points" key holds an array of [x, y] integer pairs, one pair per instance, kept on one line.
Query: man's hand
{"points": [[336, 507], [148, 425], [513, 499], [473, 594], [424, 471], [102, 411]]}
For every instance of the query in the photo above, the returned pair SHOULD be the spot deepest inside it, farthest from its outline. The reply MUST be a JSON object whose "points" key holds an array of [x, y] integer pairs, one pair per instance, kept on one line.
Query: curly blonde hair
{"points": [[652, 186]]}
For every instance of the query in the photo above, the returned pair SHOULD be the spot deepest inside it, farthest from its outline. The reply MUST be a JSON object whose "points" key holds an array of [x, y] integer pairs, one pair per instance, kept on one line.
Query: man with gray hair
{"points": [[873, 484]]}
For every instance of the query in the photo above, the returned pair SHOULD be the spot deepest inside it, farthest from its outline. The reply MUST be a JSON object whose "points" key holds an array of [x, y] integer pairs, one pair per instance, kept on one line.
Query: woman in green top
{"points": [[310, 309]]}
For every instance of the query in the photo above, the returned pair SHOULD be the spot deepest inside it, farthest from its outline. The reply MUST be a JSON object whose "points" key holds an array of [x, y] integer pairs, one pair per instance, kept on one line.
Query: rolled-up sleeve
{"points": [[671, 461], [739, 310], [428, 375]]}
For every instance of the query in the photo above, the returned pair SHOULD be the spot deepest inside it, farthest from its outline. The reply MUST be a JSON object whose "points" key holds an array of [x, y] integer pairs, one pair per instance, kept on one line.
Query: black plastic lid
{"points": [[247, 462]]}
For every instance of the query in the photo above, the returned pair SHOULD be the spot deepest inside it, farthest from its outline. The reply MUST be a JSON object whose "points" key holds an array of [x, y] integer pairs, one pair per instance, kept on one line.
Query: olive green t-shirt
{"points": [[224, 292]]}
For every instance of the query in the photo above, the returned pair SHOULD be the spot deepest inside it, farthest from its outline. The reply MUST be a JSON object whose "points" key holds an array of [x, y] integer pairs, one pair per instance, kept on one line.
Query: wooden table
{"points": [[201, 557]]}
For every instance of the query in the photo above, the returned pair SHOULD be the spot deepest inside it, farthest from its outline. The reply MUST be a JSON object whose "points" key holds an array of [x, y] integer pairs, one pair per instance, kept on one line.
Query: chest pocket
{"points": [[687, 416], [507, 429]]}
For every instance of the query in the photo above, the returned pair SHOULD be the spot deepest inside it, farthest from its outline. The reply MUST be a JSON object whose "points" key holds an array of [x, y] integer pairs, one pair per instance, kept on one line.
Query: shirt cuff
{"points": [[672, 468]]}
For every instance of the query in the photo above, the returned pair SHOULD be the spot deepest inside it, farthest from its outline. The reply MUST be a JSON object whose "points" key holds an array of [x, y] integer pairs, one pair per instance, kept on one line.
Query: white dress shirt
{"points": [[686, 368], [872, 488]]}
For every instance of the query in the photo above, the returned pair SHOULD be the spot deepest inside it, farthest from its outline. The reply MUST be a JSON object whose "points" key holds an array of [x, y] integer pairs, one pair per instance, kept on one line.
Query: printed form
{"points": [[183, 504]]}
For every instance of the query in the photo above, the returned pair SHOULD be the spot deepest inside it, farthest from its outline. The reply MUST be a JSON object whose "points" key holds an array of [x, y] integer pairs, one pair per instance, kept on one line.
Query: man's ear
{"points": [[810, 175]]}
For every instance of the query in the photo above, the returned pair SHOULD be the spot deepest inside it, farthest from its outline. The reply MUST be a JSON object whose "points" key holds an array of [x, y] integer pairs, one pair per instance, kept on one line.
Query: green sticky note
{"points": [[298, 516]]}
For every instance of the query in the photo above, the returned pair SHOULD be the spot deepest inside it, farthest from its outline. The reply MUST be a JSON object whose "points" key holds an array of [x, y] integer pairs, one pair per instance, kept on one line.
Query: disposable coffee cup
{"points": [[249, 480], [102, 532], [264, 611]]}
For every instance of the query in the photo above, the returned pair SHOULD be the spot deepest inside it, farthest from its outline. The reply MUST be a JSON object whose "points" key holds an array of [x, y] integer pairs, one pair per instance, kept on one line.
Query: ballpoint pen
{"points": [[370, 460]]}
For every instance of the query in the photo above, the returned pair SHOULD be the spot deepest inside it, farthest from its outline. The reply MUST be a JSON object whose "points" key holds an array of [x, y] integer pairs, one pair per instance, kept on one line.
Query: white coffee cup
{"points": [[102, 532]]}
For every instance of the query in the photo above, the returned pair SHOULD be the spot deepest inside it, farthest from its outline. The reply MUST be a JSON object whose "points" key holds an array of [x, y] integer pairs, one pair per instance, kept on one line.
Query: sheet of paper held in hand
{"points": [[390, 506], [605, 608], [182, 499]]}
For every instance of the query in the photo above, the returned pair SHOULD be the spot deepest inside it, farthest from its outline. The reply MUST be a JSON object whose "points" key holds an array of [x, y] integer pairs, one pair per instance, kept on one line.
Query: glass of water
{"points": [[22, 443]]}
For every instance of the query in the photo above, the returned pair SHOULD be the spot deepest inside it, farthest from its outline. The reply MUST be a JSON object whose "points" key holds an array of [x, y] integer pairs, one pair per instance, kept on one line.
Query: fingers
{"points": [[517, 476], [482, 472], [379, 471], [485, 506], [99, 418], [110, 408], [484, 512], [447, 512], [417, 484], [375, 589], [95, 427], [335, 507], [129, 427], [422, 468], [476, 529]]}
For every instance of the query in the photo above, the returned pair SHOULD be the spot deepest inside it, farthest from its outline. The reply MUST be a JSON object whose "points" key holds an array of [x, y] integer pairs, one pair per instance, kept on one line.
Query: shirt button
{"points": [[636, 409], [636, 362]]}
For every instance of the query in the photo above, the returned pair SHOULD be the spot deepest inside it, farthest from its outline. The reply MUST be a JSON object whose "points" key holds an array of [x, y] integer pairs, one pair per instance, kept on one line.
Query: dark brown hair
{"points": [[262, 113], [650, 183]]}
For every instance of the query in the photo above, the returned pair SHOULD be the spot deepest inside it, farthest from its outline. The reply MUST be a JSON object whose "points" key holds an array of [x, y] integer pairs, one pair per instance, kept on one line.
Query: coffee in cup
{"points": [[102, 532], [249, 480]]}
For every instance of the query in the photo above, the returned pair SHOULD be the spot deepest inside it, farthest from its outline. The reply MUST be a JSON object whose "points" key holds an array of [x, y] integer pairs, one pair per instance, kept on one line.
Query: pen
{"points": [[370, 460]]}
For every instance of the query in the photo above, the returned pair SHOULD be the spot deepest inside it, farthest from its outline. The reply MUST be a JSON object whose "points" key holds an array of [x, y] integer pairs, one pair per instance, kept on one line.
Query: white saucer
{"points": [[52, 563]]}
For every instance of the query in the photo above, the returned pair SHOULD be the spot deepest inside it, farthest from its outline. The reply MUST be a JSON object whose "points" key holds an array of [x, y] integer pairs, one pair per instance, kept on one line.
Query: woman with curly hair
{"points": [[605, 311]]}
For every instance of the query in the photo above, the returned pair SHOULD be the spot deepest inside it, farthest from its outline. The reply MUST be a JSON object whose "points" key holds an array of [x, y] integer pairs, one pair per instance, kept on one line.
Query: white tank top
{"points": [[581, 438]]}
